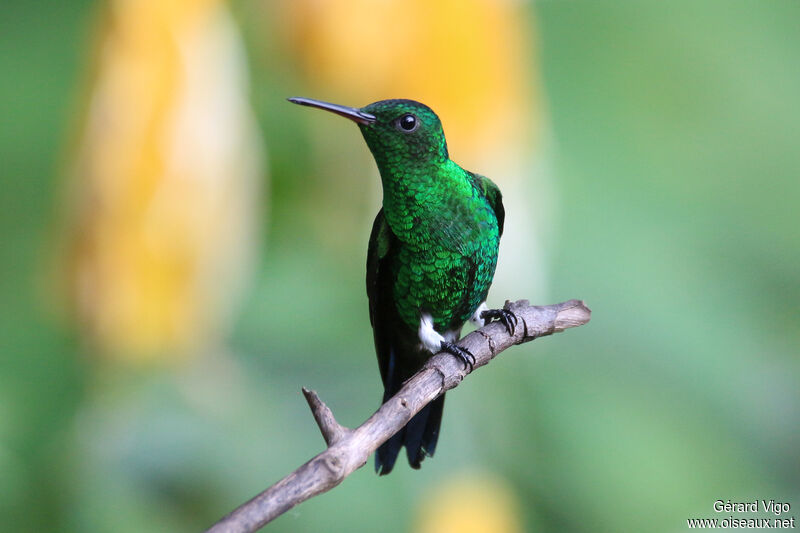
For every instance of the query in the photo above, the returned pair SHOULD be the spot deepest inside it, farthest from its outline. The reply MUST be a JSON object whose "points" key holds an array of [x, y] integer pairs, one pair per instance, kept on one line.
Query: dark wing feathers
{"points": [[380, 309], [492, 194]]}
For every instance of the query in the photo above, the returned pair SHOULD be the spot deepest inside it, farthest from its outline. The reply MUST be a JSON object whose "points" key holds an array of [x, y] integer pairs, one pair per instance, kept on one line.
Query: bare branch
{"points": [[332, 432], [349, 449]]}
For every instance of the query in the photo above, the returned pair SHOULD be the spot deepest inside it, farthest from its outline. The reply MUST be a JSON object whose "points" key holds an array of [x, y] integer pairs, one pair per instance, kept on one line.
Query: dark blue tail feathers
{"points": [[419, 437]]}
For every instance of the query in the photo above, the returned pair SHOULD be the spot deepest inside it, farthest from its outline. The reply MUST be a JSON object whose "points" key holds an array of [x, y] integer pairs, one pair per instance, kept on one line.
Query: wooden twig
{"points": [[332, 432], [349, 449]]}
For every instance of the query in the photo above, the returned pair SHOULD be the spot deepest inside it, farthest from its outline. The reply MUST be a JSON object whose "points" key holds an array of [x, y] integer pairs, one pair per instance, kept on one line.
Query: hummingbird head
{"points": [[396, 131], [404, 130]]}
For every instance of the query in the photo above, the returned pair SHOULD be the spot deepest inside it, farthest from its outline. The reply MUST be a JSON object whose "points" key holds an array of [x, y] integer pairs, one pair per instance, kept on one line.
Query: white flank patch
{"points": [[476, 319], [430, 339]]}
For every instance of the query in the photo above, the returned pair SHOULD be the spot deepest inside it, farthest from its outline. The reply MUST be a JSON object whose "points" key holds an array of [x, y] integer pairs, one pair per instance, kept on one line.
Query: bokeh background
{"points": [[181, 250]]}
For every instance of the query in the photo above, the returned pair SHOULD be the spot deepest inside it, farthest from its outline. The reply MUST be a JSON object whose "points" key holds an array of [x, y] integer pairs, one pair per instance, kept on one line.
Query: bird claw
{"points": [[505, 316], [464, 355]]}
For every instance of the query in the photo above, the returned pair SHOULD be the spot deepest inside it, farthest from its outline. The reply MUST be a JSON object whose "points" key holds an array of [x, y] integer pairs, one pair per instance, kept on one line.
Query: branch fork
{"points": [[331, 430], [349, 449]]}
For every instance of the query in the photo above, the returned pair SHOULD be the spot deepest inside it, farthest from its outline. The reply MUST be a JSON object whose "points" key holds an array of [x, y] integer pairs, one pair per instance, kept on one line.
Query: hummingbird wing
{"points": [[398, 354], [379, 290], [381, 317], [492, 194]]}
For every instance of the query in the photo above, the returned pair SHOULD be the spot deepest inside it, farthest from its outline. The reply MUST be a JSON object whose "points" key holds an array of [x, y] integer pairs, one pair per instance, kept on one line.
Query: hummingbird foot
{"points": [[505, 316], [464, 355]]}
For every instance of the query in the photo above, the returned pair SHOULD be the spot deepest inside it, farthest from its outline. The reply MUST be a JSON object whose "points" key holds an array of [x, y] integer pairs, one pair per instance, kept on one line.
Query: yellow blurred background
{"points": [[172, 227]]}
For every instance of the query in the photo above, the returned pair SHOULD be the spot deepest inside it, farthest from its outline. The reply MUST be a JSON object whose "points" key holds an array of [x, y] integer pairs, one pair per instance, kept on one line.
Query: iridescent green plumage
{"points": [[433, 251], [445, 219]]}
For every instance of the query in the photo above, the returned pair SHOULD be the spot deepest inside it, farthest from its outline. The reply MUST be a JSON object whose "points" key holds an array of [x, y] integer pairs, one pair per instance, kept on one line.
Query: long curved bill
{"points": [[354, 114]]}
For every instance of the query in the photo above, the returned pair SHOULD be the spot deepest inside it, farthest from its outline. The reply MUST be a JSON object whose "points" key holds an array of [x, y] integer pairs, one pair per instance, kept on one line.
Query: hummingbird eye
{"points": [[407, 123]]}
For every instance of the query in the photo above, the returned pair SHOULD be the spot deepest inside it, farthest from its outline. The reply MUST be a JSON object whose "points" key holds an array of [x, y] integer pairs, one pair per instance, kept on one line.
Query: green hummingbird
{"points": [[431, 258]]}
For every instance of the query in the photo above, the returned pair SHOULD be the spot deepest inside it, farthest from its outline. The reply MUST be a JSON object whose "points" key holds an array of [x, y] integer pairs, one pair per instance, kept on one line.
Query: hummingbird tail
{"points": [[419, 437], [422, 432]]}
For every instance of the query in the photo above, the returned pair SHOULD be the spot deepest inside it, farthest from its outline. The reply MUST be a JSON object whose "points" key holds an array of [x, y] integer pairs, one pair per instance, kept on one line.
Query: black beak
{"points": [[354, 114]]}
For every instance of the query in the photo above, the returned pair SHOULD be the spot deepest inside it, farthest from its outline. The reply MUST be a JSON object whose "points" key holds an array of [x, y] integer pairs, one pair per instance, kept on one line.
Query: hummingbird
{"points": [[431, 257]]}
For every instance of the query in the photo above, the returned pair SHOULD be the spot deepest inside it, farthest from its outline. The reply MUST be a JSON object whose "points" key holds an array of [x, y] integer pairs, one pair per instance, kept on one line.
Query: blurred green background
{"points": [[671, 138]]}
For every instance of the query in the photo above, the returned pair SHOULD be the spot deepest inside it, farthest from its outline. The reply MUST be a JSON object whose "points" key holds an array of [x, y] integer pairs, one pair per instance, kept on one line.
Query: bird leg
{"points": [[463, 354], [505, 316], [432, 341]]}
